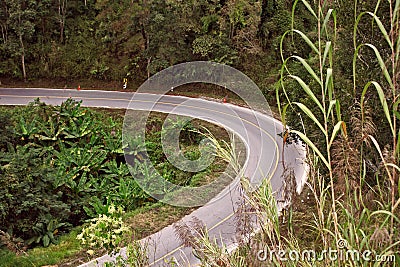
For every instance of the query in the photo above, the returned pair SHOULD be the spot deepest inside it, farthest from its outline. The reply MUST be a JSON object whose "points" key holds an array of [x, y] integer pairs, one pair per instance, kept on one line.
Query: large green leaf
{"points": [[313, 147], [308, 91], [310, 114], [382, 98]]}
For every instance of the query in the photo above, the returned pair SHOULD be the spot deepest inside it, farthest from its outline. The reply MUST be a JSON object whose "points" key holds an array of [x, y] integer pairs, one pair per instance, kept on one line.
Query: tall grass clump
{"points": [[354, 171], [348, 213]]}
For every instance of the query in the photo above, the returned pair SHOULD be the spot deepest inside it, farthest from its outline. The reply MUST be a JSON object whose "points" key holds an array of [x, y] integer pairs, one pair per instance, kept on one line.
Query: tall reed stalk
{"points": [[327, 115], [323, 109]]}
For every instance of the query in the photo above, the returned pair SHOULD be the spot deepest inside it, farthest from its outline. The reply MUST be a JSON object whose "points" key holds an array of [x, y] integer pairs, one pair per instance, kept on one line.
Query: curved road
{"points": [[258, 132]]}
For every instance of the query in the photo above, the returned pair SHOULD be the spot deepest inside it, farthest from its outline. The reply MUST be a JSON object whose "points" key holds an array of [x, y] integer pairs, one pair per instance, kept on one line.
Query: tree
{"points": [[218, 25], [21, 13], [3, 21], [269, 9], [62, 11]]}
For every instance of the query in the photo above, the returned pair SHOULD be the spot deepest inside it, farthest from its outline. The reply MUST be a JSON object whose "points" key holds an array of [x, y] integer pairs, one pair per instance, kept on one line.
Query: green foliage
{"points": [[76, 167], [349, 123], [59, 160], [61, 165], [45, 231], [136, 255], [19, 19], [108, 40], [27, 195], [339, 155], [97, 207], [67, 246], [5, 128]]}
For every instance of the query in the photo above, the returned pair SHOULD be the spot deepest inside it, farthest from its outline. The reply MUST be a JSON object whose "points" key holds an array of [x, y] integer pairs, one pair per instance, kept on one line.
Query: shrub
{"points": [[27, 196]]}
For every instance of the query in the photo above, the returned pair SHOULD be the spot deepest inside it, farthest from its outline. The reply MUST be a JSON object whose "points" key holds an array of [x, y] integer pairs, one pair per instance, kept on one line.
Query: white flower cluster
{"points": [[105, 231]]}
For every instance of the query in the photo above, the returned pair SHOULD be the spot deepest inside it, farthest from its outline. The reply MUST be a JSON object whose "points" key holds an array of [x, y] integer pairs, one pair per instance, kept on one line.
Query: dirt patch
{"points": [[153, 220], [61, 83]]}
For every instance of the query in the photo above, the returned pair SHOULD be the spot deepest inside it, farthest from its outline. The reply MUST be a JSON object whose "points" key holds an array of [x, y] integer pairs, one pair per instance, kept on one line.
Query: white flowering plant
{"points": [[106, 231]]}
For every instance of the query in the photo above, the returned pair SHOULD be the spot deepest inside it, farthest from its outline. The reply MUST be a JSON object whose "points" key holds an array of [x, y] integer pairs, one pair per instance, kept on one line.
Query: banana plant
{"points": [[72, 109], [49, 130], [102, 186], [128, 193], [134, 147], [112, 141], [147, 174], [124, 190], [115, 170], [26, 129], [183, 124], [78, 127], [88, 142], [76, 166], [97, 207]]}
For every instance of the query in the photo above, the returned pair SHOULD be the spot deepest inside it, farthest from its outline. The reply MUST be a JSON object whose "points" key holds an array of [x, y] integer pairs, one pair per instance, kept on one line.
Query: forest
{"points": [[329, 70], [111, 40]]}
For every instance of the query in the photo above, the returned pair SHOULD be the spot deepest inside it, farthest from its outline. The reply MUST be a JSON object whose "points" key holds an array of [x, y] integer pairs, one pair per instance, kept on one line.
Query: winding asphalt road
{"points": [[265, 158]]}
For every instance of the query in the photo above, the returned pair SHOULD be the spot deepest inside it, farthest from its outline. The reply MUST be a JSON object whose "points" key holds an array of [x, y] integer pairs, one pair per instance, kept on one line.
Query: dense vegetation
{"points": [[333, 66], [61, 165], [110, 40]]}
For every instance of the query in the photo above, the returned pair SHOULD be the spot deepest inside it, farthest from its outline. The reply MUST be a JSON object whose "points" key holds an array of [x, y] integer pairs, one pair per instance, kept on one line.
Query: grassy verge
{"points": [[68, 247], [143, 221]]}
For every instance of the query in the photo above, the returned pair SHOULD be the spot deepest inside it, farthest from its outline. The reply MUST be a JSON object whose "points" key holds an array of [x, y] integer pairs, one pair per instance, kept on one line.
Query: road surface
{"points": [[259, 133]]}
